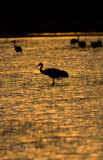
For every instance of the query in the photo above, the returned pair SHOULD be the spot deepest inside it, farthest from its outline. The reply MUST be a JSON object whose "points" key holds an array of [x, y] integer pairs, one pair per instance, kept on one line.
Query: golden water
{"points": [[44, 122]]}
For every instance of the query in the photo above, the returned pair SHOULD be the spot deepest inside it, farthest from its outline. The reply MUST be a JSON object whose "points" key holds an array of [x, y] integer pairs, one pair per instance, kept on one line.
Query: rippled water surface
{"points": [[44, 122]]}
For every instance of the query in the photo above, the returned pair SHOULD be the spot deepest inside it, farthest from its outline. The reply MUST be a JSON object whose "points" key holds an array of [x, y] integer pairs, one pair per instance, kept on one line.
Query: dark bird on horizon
{"points": [[81, 44], [99, 43], [53, 72], [96, 44], [74, 40], [17, 48]]}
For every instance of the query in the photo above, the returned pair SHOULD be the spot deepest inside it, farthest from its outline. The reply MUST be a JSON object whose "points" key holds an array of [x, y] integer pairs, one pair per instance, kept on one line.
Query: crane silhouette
{"points": [[94, 44], [74, 41], [99, 43], [17, 48], [81, 44], [53, 72]]}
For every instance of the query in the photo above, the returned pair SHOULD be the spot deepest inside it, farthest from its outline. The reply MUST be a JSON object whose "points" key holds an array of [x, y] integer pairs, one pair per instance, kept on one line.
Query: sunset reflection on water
{"points": [[41, 121]]}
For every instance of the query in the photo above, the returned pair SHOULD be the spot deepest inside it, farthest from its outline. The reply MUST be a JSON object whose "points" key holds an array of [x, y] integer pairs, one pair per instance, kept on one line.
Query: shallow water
{"points": [[45, 122]]}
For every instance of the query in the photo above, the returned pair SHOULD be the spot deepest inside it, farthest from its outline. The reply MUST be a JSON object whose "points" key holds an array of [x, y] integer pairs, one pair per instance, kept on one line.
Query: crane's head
{"points": [[14, 41], [40, 64]]}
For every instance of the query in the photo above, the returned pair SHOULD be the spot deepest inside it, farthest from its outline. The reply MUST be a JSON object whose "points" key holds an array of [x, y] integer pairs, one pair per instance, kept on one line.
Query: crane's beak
{"points": [[40, 64], [37, 66]]}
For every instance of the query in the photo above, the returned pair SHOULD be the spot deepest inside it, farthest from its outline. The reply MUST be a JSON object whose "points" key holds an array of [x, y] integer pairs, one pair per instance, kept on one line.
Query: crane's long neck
{"points": [[41, 69]]}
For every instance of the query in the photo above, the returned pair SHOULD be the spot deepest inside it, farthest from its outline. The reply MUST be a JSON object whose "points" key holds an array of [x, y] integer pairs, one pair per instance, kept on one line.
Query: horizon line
{"points": [[52, 34]]}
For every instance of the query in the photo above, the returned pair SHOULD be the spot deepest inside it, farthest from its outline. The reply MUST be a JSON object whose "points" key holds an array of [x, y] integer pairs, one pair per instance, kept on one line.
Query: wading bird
{"points": [[99, 43], [74, 41], [81, 44], [17, 48], [96, 44], [53, 72]]}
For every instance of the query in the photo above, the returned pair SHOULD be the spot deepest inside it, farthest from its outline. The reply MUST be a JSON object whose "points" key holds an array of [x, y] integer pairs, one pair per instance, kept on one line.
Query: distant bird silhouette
{"points": [[81, 44], [99, 43], [17, 48], [94, 44], [53, 72], [74, 41]]}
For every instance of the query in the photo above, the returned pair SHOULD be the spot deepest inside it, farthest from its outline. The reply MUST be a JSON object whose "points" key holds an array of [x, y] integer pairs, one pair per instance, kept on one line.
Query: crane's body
{"points": [[74, 41], [53, 72], [17, 48], [82, 44]]}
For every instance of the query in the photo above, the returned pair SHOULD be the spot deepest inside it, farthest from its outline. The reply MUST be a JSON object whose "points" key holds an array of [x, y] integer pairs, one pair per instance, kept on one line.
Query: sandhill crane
{"points": [[94, 44], [74, 40], [53, 72], [99, 43], [17, 48], [81, 44]]}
